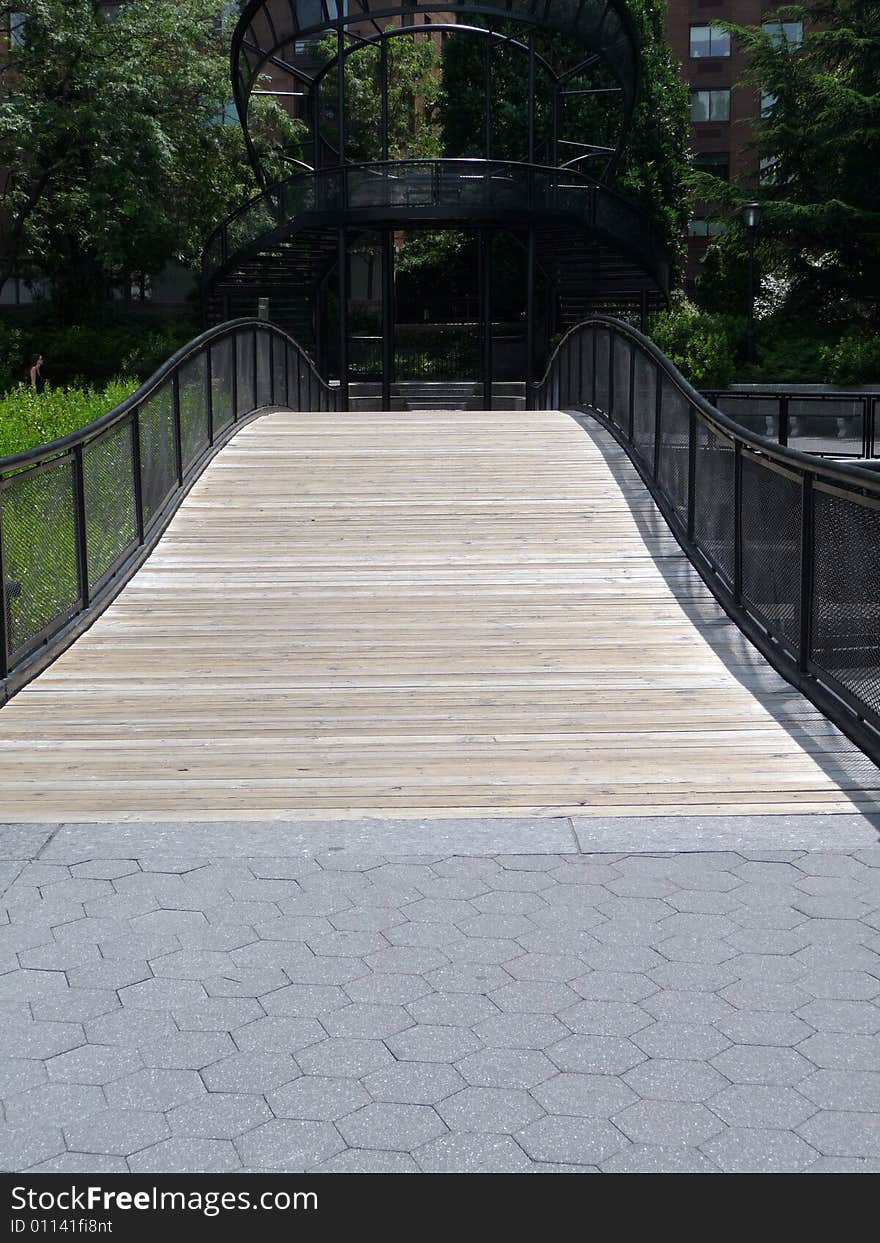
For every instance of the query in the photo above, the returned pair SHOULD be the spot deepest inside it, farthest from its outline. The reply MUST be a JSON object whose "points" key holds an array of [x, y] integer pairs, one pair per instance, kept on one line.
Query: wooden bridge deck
{"points": [[417, 614]]}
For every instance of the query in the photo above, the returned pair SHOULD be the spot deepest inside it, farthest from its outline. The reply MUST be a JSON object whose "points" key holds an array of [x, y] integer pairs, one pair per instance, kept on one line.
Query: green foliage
{"points": [[89, 353], [855, 359], [113, 129], [12, 356], [821, 233], [702, 346], [29, 418]]}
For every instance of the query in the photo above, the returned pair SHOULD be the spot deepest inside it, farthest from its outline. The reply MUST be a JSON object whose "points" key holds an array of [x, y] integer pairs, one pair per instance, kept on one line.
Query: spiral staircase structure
{"points": [[584, 243]]}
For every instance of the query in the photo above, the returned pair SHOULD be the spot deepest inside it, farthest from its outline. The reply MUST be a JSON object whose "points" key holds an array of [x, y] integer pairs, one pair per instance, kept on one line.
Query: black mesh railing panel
{"points": [[772, 507], [830, 426], [603, 374], [644, 408], [158, 453], [714, 504], [110, 501], [221, 385], [193, 379], [622, 355], [846, 594], [264, 369], [295, 372], [674, 434], [245, 359], [39, 551]]}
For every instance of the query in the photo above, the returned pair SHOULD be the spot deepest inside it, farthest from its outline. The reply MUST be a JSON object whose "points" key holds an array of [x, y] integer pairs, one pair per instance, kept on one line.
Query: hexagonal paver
{"points": [[575, 1141], [520, 1031], [456, 1009], [22, 1147], [414, 1083], [472, 1154], [95, 1064], [427, 1042], [53, 1104], [854, 1017], [186, 1156], [605, 1018], [695, 1041], [345, 1056], [763, 1027], [843, 1089], [250, 1072], [397, 1127], [842, 1134], [839, 1051], [506, 1068], [317, 1098], [489, 1110], [651, 1159], [219, 1115], [116, 1131], [671, 1079], [361, 1019], [278, 1034], [286, 1145], [762, 1064], [154, 1089], [761, 1105], [595, 1055], [668, 1123], [584, 1096], [748, 1151]]}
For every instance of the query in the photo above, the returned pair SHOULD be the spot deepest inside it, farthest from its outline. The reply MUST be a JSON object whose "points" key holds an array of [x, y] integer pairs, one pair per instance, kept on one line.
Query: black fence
{"points": [[789, 543], [78, 516], [839, 425]]}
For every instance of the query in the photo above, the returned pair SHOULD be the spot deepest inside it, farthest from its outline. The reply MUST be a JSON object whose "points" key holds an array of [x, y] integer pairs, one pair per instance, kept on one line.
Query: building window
{"points": [[710, 105], [705, 228], [716, 163], [791, 33], [768, 103], [708, 41]]}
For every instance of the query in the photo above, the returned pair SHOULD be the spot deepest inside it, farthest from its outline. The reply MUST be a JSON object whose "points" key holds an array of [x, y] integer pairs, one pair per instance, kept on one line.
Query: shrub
{"points": [[12, 356], [702, 346], [29, 418], [855, 359]]}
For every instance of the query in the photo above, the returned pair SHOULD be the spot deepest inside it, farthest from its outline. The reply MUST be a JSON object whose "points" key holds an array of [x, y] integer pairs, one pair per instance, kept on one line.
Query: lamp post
{"points": [[752, 221]]}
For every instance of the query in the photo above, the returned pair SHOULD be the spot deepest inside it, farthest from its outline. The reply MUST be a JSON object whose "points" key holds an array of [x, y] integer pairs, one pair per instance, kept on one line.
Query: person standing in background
{"points": [[36, 373]]}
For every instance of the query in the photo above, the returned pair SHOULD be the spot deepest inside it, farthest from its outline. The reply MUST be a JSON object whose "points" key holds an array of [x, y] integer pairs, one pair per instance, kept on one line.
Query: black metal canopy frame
{"points": [[788, 542], [583, 244]]}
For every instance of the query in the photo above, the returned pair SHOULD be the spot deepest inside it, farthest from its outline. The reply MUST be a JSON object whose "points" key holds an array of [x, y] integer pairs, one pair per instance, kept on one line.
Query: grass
{"points": [[29, 419]]}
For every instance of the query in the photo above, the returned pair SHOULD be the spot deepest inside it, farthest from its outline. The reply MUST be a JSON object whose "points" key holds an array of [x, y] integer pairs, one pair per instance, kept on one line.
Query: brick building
{"points": [[722, 111]]}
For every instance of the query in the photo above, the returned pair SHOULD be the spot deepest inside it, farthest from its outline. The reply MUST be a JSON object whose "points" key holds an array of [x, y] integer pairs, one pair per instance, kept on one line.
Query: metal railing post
{"points": [[632, 392], [4, 603], [595, 335], [286, 374], [692, 473], [175, 412], [658, 420], [255, 387], [784, 425], [272, 396], [136, 473], [209, 394], [79, 507], [737, 521], [808, 573], [611, 340], [234, 340]]}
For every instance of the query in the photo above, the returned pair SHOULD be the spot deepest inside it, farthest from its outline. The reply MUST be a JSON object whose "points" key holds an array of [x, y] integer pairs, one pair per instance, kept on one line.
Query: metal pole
{"points": [[4, 605], [342, 263], [808, 572], [136, 475], [485, 266], [387, 317], [531, 97], [79, 500], [340, 90], [209, 395], [384, 88], [750, 332], [737, 521], [530, 308], [175, 414]]}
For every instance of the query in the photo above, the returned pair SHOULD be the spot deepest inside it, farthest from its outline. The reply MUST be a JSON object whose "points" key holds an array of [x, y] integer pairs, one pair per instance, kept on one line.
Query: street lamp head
{"points": [[752, 216]]}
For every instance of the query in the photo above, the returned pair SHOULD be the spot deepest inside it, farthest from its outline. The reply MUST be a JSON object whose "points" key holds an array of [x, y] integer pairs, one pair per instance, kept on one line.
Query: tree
{"points": [[819, 143], [112, 131]]}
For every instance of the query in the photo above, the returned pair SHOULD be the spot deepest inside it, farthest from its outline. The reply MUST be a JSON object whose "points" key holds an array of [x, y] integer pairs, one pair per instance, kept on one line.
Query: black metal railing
{"points": [[449, 188], [78, 516], [788, 542], [831, 424]]}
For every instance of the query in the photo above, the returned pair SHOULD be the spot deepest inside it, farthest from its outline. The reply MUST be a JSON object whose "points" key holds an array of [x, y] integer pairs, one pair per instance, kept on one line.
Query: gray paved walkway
{"points": [[179, 998]]}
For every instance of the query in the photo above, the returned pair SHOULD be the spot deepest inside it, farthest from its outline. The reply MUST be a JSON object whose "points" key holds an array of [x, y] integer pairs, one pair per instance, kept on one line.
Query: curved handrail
{"points": [[788, 543], [604, 28], [543, 189], [79, 515]]}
